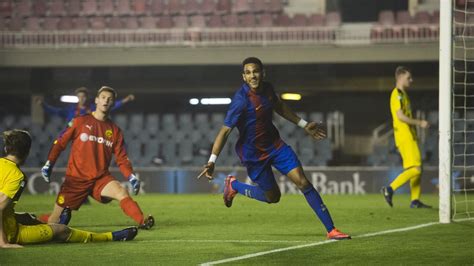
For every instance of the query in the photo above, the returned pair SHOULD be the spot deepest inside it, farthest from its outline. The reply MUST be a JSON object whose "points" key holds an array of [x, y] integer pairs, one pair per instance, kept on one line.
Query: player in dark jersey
{"points": [[260, 147], [95, 138], [82, 107]]}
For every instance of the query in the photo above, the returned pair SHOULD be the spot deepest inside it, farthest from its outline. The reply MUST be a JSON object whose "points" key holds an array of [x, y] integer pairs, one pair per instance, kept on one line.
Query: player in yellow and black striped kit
{"points": [[406, 140], [15, 232]]}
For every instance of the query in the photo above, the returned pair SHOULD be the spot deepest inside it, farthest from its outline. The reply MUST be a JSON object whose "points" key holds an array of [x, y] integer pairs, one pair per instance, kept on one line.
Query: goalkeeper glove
{"points": [[135, 182], [46, 171]]}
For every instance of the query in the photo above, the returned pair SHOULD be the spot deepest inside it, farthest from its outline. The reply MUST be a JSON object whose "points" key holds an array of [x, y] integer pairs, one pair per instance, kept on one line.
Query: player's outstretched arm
{"points": [[125, 100], [316, 130], [219, 143], [4, 202], [411, 121]]}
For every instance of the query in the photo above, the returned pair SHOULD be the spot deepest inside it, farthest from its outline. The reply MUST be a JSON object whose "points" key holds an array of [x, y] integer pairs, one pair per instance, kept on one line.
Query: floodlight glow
{"points": [[194, 101], [215, 101], [69, 99], [291, 96]]}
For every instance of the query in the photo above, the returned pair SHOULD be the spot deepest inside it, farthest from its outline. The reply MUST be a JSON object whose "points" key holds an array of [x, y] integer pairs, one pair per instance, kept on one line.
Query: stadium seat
{"points": [[16, 24], [185, 152], [215, 21], [165, 22], [3, 24], [169, 151], [6, 8], [191, 7], [158, 7], [97, 23], [152, 122], [422, 17], [435, 17], [136, 123], [56, 8], [403, 17], [174, 7], [74, 8], [316, 20], [208, 7], [333, 19], [224, 6], [299, 20], [386, 18], [241, 6], [265, 20], [32, 24], [89, 7], [115, 23], [231, 20], [149, 22], [275, 6], [217, 119], [185, 122], [260, 6], [202, 122], [316, 117], [131, 23], [22, 8], [248, 20], [197, 21], [139, 7], [121, 120], [283, 20], [106, 8], [181, 21], [40, 8], [65, 23], [50, 23], [123, 7], [81, 23]]}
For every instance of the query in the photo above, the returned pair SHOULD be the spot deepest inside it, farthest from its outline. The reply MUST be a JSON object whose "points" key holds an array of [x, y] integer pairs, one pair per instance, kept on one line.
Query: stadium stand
{"points": [[180, 139], [79, 22]]}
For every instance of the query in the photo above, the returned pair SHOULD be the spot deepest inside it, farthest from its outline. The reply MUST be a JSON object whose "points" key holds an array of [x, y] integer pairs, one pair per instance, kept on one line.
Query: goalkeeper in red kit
{"points": [[95, 138]]}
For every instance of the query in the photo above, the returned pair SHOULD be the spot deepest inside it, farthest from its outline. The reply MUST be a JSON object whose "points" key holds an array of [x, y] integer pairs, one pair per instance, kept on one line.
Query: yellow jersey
{"points": [[402, 131], [12, 184]]}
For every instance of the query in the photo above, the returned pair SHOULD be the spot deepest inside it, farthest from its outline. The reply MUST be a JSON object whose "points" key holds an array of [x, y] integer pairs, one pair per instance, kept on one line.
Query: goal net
{"points": [[462, 110]]}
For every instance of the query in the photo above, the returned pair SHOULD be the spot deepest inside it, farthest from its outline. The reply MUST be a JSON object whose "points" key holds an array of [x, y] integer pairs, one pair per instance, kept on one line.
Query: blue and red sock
{"points": [[250, 191], [316, 203]]}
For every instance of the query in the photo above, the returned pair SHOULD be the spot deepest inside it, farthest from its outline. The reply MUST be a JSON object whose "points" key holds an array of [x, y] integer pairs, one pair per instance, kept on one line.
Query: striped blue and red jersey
{"points": [[252, 114]]}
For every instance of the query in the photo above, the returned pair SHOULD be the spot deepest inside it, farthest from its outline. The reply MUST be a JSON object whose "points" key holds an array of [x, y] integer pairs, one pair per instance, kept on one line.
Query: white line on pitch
{"points": [[253, 255], [224, 241]]}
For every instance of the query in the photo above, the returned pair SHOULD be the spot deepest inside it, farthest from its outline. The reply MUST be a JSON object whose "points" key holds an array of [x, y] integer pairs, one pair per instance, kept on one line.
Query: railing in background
{"points": [[221, 36]]}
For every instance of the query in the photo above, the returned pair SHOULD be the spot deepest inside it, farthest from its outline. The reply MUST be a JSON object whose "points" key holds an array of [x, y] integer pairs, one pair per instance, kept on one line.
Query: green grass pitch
{"points": [[194, 229]]}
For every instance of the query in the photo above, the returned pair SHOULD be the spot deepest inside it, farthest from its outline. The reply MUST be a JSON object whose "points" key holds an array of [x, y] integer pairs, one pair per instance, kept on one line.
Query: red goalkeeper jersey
{"points": [[93, 143]]}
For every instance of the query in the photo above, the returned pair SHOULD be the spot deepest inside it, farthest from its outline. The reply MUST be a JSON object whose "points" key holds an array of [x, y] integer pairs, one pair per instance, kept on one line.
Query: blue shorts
{"points": [[284, 160]]}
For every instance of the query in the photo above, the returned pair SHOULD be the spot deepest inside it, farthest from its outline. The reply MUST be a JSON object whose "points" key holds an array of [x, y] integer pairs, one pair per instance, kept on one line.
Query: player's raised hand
{"points": [[135, 182], [316, 130], [208, 170], [46, 171]]}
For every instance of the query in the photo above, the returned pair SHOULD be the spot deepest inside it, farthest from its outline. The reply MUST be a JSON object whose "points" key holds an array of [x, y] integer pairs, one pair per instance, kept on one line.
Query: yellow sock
{"points": [[406, 175], [415, 187], [79, 236]]}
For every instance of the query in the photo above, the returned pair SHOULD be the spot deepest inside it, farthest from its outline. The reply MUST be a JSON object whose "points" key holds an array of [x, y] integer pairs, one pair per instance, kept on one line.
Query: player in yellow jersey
{"points": [[404, 130], [13, 234]]}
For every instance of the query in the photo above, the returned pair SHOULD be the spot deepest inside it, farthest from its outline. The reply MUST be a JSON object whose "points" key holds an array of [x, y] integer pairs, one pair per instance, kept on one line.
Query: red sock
{"points": [[131, 208]]}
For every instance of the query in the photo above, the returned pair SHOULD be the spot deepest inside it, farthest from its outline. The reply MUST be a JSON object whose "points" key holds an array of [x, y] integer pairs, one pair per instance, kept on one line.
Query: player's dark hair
{"points": [[401, 70], [108, 89], [81, 89], [252, 60], [17, 142]]}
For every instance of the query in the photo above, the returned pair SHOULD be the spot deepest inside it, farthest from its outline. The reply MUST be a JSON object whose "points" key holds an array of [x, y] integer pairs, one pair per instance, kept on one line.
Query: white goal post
{"points": [[445, 115]]}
